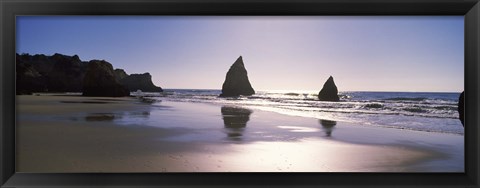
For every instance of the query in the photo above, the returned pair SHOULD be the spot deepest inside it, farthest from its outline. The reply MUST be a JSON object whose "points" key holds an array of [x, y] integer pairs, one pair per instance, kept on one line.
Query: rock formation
{"points": [[100, 81], [136, 82], [28, 79], [142, 82], [41, 63], [461, 107], [329, 91], [41, 73], [62, 73], [236, 82], [67, 73], [120, 74]]}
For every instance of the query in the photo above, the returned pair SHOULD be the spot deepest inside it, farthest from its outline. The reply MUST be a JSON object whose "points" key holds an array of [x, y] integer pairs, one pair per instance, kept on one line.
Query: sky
{"points": [[362, 53]]}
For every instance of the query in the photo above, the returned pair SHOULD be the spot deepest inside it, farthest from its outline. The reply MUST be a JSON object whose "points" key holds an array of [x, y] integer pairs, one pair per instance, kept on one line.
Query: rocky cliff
{"points": [[62, 73], [100, 81], [120, 74], [57, 73], [66, 74], [29, 79]]}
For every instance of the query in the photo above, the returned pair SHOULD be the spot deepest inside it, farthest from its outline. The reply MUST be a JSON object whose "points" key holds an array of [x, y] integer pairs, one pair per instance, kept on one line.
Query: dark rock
{"points": [[120, 74], [28, 79], [41, 73], [136, 82], [142, 82], [461, 108], [41, 63], [67, 74], [329, 91], [100, 81], [236, 82], [62, 73]]}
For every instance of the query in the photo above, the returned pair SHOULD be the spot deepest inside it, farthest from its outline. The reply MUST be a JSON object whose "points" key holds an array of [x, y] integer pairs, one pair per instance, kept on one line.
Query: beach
{"points": [[59, 133]]}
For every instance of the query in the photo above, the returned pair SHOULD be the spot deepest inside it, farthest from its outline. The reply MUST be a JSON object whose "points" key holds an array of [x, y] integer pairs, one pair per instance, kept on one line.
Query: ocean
{"points": [[418, 111]]}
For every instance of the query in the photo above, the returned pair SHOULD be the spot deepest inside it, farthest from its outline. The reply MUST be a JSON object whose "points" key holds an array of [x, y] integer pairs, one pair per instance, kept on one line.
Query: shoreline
{"points": [[125, 135]]}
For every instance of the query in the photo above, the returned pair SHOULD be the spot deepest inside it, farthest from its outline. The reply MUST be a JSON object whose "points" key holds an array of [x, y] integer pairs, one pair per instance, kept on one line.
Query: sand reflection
{"points": [[100, 117], [125, 117], [327, 126], [235, 120]]}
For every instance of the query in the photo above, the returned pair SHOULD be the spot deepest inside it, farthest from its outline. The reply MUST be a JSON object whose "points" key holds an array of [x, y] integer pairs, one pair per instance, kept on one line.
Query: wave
{"points": [[415, 109], [374, 105], [406, 99], [441, 108], [292, 94]]}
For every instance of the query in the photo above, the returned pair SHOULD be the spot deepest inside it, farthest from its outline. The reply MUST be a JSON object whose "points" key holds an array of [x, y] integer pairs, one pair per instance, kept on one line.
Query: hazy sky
{"points": [[368, 53]]}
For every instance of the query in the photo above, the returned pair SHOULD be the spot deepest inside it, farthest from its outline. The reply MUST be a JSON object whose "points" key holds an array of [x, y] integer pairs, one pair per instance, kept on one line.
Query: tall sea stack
{"points": [[236, 82], [329, 91], [100, 81]]}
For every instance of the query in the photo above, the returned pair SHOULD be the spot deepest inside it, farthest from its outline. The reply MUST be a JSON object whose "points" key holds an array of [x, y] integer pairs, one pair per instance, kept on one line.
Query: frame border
{"points": [[11, 8]]}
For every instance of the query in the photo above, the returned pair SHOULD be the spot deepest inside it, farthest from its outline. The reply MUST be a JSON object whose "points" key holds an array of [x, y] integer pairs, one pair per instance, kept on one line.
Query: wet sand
{"points": [[89, 134]]}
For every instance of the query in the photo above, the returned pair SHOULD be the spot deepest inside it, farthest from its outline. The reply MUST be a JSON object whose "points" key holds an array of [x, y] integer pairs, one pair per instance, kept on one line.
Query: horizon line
{"points": [[320, 89]]}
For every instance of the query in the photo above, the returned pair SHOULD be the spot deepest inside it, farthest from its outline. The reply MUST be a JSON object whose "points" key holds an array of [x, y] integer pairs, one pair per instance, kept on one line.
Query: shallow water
{"points": [[256, 130], [429, 112]]}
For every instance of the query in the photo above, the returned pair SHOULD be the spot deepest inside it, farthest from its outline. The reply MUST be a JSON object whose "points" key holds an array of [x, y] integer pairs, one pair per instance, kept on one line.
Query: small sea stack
{"points": [[329, 91], [461, 107], [100, 81], [236, 82]]}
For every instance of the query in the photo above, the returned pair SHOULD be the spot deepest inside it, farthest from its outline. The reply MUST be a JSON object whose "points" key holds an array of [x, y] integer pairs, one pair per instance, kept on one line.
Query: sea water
{"points": [[419, 111]]}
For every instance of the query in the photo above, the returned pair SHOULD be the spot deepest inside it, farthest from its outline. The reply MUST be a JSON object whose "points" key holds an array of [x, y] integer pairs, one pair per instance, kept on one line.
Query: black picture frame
{"points": [[11, 8]]}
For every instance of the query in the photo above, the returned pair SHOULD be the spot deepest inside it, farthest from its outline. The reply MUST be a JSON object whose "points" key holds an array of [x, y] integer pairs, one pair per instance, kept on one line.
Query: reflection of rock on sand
{"points": [[328, 126], [235, 120]]}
